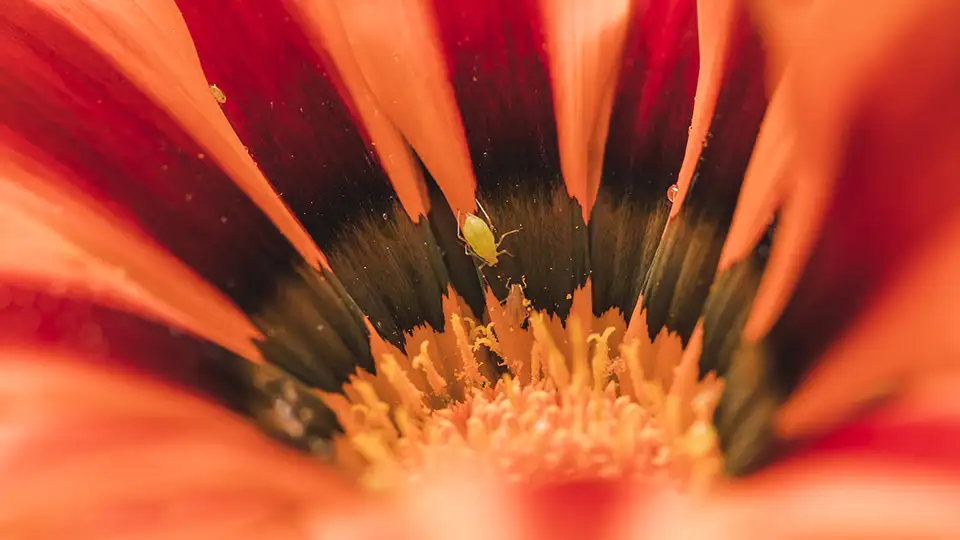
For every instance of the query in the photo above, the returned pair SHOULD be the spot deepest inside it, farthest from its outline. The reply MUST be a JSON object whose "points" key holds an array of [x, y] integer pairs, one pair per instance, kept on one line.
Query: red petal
{"points": [[74, 109], [55, 236], [652, 106], [390, 58], [653, 101], [289, 105], [871, 97], [892, 474], [499, 71], [93, 453], [497, 57], [731, 101]]}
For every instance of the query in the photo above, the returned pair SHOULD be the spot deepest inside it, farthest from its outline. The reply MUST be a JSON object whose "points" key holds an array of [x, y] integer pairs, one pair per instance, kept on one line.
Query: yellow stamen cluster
{"points": [[568, 408]]}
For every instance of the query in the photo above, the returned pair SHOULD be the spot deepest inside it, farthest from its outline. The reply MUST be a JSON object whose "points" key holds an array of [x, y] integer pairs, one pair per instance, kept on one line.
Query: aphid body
{"points": [[478, 239], [218, 94]]}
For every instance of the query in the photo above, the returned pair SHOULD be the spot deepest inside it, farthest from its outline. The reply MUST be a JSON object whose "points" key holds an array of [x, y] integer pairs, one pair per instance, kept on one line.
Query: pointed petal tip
{"points": [[148, 43], [67, 241], [584, 42], [406, 73]]}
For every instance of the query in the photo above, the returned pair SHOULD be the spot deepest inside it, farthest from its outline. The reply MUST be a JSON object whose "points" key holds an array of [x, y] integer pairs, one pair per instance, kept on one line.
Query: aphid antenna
{"points": [[486, 215]]}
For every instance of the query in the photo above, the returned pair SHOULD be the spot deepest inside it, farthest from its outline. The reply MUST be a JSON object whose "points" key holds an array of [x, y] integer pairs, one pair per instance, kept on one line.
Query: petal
{"points": [[56, 236], [51, 317], [892, 474], [393, 50], [881, 114], [145, 460], [147, 42], [305, 111], [500, 76], [135, 415], [499, 69], [652, 104], [72, 107], [731, 102], [765, 184], [84, 106], [584, 42]]}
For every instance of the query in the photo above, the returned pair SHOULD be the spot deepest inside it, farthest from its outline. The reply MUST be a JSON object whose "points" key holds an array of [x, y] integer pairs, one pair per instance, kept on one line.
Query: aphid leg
{"points": [[504, 252], [459, 228], [485, 214], [506, 234]]}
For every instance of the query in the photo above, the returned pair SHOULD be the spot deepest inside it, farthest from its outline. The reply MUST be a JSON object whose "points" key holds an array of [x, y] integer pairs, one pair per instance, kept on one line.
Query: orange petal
{"points": [[716, 20], [652, 106], [892, 474], [871, 99], [147, 460], [147, 42], [730, 104], [55, 235], [85, 132], [584, 43], [391, 50]]}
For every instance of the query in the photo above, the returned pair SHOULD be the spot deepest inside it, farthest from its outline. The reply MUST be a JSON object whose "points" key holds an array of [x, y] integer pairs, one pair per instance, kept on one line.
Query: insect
{"points": [[478, 239], [516, 307], [218, 94]]}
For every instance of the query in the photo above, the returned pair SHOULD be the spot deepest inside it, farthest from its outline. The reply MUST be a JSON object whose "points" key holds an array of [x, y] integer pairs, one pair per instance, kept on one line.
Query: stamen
{"points": [[581, 414], [471, 371], [601, 358], [409, 395], [578, 347], [422, 361]]}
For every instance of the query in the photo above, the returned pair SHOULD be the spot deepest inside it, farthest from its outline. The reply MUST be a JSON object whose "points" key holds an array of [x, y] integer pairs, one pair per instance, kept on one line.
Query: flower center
{"points": [[573, 405]]}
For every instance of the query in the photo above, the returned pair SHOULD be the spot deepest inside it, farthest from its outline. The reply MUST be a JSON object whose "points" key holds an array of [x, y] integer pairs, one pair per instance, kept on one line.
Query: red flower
{"points": [[235, 298]]}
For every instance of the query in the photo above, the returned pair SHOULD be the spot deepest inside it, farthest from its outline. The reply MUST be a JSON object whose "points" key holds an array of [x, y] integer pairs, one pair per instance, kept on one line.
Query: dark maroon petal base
{"points": [[686, 259], [499, 71], [644, 150]]}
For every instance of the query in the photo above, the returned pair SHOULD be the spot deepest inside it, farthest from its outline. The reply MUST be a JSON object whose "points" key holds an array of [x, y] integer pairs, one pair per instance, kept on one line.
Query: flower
{"points": [[223, 220]]}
